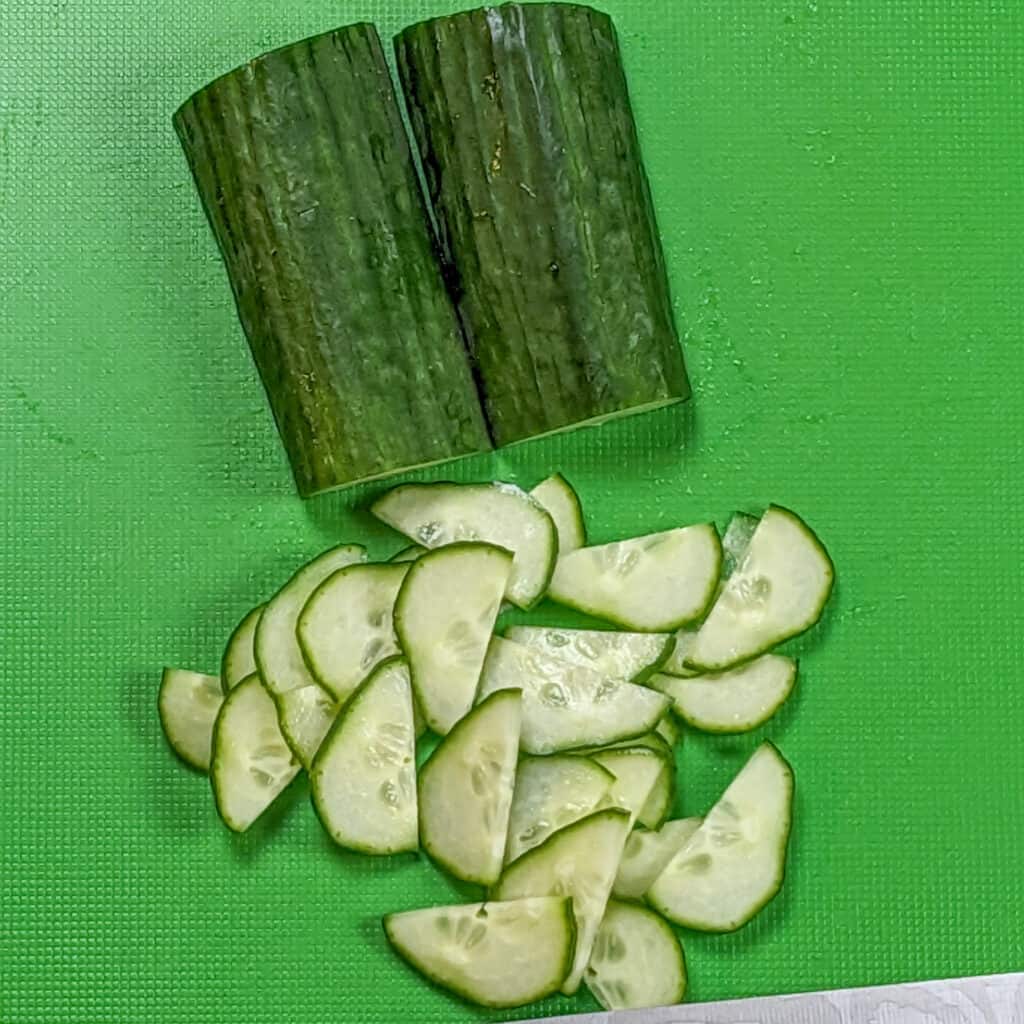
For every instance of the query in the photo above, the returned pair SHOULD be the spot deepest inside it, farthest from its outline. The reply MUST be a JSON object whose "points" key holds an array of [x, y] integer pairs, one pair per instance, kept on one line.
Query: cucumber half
{"points": [[637, 770], [188, 703], [647, 853], [305, 716], [239, 659], [562, 503]]}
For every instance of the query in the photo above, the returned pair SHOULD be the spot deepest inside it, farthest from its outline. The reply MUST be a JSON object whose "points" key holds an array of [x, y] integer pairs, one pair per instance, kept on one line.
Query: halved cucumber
{"points": [[239, 659], [735, 541], [188, 705], [465, 790], [562, 503], [345, 628], [637, 960], [251, 763], [408, 554], [444, 617], [550, 793], [305, 716], [363, 778], [626, 657], [779, 590], [499, 955], [737, 700], [647, 853], [501, 514], [650, 584], [733, 865], [636, 770], [568, 706]]}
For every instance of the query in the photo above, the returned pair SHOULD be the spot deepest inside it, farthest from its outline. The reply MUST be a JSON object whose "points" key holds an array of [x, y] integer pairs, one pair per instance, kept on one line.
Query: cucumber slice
{"points": [[444, 618], [305, 716], [636, 771], [550, 793], [647, 854], [251, 763], [188, 705], [345, 627], [363, 778], [567, 706], [660, 800], [675, 663], [778, 591], [409, 554], [501, 514], [737, 700], [239, 659], [668, 729], [637, 960], [562, 503], [628, 657], [579, 861], [735, 541], [499, 955], [278, 655], [734, 864], [650, 584], [465, 790]]}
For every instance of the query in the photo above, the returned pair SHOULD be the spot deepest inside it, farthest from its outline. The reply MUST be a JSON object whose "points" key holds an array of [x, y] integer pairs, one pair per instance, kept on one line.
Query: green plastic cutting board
{"points": [[839, 185]]}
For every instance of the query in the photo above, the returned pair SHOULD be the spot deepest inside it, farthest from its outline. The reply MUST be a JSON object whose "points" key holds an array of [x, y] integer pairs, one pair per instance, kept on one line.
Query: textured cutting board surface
{"points": [[839, 189]]}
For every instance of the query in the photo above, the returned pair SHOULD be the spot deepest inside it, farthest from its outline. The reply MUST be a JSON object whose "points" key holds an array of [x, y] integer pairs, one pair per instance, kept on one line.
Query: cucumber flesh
{"points": [[658, 805], [735, 541], [305, 716], [733, 865], [636, 770], [562, 503], [407, 554], [778, 591], [500, 514], [444, 617], [239, 659], [499, 955], [363, 778], [188, 705], [650, 584], [675, 663], [568, 706], [668, 729], [647, 853], [465, 790], [637, 960]]}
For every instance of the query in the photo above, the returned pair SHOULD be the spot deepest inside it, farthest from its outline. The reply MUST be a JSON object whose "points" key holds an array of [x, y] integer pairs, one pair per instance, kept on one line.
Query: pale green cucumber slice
{"points": [[562, 503], [239, 659], [444, 618], [675, 663], [650, 584], [669, 730], [305, 716], [188, 704], [465, 790], [734, 864], [735, 541], [658, 805], [408, 554], [637, 960], [647, 853], [498, 955], [636, 771], [363, 778], [500, 514]]}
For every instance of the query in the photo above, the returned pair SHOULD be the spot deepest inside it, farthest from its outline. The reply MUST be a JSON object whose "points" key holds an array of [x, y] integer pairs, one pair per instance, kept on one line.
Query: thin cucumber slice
{"points": [[779, 590], [278, 655], [734, 864], [658, 805], [188, 705], [637, 960], [737, 700], [647, 854], [305, 716], [345, 627], [562, 503], [552, 792], [668, 729], [465, 790], [736, 539], [567, 706], [627, 657], [363, 778], [675, 663], [498, 955], [444, 617], [650, 584], [239, 659], [636, 771], [579, 861], [409, 554], [251, 763], [501, 514]]}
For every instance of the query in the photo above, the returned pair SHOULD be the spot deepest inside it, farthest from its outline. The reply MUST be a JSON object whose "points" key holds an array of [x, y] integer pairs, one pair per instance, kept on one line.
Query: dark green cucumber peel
{"points": [[305, 170], [523, 121]]}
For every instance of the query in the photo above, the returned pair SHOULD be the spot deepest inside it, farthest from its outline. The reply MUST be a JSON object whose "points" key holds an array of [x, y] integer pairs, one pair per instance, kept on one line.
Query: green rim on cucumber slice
{"points": [[188, 703], [562, 503], [239, 659]]}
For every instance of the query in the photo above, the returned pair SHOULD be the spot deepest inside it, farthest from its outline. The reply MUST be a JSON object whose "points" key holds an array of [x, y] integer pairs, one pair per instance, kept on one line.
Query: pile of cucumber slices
{"points": [[552, 784]]}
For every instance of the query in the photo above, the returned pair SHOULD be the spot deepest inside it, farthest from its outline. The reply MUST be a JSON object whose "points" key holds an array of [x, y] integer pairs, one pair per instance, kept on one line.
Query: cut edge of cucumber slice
{"points": [[408, 554], [188, 704], [562, 503], [239, 658]]}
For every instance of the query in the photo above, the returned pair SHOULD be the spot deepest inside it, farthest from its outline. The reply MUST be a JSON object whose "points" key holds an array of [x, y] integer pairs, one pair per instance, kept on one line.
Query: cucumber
{"points": [[550, 793], [778, 591], [650, 584], [523, 121], [675, 663], [305, 716], [250, 763], [465, 790], [304, 168], [567, 706], [408, 554], [734, 864], [444, 617], [668, 729], [647, 853], [658, 805], [498, 955], [239, 659], [579, 861], [363, 778], [188, 703], [501, 514], [562, 503], [734, 701], [345, 628], [736, 540], [637, 960], [628, 657], [637, 770]]}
